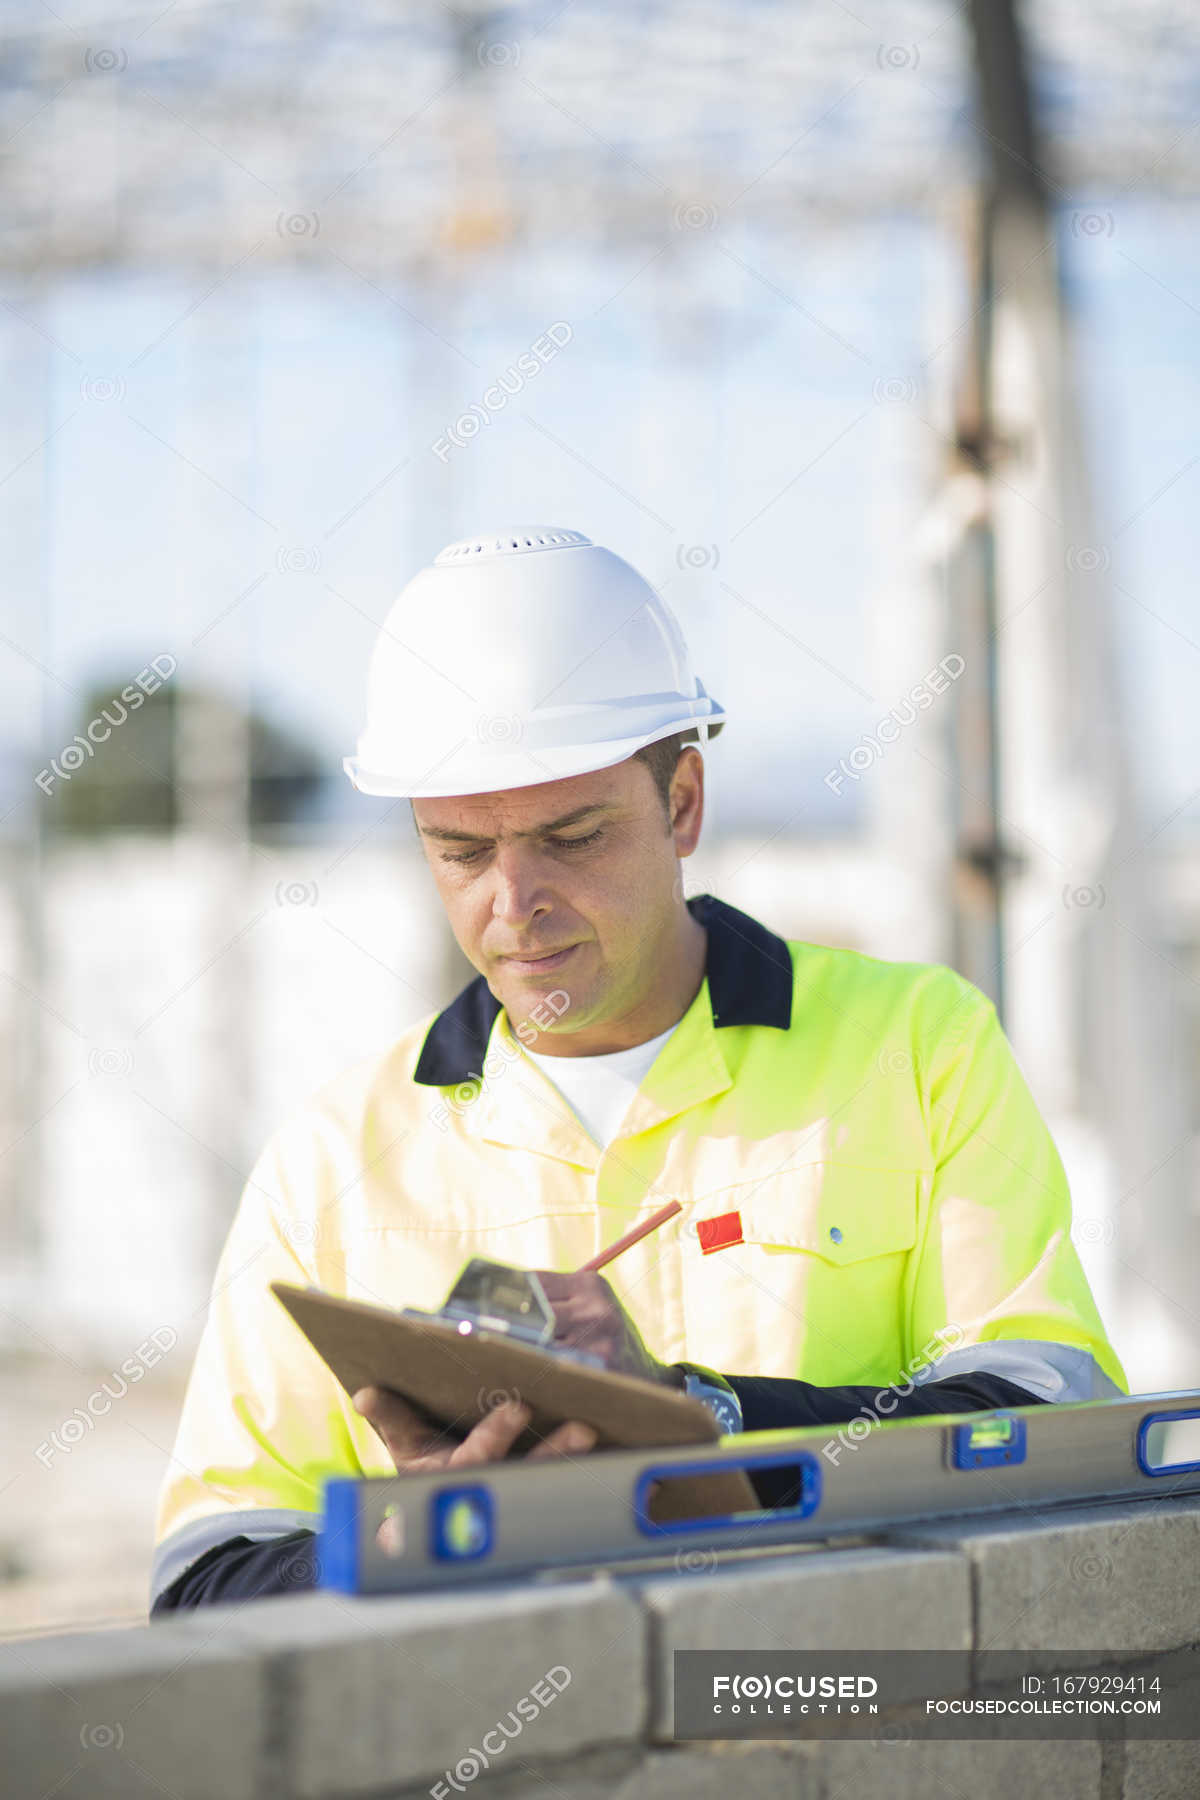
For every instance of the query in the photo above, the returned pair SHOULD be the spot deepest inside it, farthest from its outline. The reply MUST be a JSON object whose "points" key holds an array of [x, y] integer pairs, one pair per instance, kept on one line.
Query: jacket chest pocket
{"points": [[805, 1273], [841, 1212]]}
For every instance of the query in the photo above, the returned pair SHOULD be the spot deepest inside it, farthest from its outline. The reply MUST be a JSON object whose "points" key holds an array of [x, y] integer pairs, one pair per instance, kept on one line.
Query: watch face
{"points": [[722, 1404], [727, 1412]]}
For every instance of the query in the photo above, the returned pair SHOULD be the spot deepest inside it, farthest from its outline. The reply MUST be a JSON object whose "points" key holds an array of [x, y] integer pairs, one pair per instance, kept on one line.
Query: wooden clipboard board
{"points": [[456, 1379]]}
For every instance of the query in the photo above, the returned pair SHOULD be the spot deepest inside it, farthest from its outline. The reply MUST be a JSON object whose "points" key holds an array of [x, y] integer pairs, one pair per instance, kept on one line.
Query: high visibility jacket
{"points": [[869, 1196]]}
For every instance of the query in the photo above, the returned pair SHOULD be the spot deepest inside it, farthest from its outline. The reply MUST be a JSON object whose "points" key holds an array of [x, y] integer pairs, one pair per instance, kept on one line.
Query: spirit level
{"points": [[514, 1518]]}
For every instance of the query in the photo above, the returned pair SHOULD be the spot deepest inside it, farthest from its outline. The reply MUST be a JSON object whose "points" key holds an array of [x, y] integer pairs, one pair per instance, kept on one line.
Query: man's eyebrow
{"points": [[471, 837]]}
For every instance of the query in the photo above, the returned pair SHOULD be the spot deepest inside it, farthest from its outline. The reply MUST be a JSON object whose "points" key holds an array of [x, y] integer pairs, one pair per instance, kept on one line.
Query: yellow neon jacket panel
{"points": [[876, 1151]]}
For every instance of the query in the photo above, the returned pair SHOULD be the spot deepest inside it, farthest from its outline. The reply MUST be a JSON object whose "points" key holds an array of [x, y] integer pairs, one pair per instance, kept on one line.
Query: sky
{"points": [[245, 481]]}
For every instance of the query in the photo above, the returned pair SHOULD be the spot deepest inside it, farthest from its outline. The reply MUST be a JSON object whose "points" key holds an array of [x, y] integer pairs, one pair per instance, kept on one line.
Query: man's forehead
{"points": [[524, 811]]}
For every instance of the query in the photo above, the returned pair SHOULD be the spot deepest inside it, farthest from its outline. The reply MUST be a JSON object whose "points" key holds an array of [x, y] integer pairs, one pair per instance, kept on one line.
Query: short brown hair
{"points": [[660, 758]]}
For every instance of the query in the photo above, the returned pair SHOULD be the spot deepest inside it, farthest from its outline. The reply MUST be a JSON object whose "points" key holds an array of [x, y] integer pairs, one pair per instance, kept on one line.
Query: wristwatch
{"points": [[716, 1393]]}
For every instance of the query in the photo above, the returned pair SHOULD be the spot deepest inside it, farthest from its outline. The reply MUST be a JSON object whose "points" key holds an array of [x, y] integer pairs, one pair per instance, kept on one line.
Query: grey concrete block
{"points": [[921, 1771], [130, 1713], [1160, 1771], [832, 1600], [383, 1692], [717, 1771], [707, 1772], [1115, 1581]]}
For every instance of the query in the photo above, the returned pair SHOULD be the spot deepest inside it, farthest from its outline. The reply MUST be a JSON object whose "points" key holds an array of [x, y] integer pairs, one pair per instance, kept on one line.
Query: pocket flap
{"points": [[839, 1211]]}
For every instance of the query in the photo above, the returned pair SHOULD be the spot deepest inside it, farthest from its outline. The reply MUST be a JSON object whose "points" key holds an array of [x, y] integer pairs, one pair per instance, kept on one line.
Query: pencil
{"points": [[631, 1237]]}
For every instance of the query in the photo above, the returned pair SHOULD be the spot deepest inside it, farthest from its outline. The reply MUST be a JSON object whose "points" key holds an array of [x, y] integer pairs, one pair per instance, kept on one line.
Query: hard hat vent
{"points": [[511, 543]]}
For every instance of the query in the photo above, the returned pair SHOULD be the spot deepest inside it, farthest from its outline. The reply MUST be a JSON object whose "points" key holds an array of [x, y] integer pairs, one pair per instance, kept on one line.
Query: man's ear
{"points": [[687, 800]]}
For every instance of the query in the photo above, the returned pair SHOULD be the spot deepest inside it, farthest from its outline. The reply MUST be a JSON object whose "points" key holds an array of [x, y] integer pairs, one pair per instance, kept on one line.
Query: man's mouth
{"points": [[542, 964]]}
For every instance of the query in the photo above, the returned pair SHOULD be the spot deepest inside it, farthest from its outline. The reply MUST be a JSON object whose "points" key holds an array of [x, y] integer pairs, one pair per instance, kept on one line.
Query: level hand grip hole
{"points": [[1168, 1443], [787, 1485]]}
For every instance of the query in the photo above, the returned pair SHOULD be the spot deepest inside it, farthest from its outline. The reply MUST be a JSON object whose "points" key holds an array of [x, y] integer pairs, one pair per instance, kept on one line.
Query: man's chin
{"points": [[548, 1005]]}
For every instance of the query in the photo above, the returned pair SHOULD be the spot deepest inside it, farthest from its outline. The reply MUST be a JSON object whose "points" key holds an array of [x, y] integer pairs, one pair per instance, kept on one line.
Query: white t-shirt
{"points": [[599, 1089]]}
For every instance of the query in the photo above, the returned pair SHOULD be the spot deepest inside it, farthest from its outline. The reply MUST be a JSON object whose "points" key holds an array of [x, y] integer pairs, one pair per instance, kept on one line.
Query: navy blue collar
{"points": [[749, 973]]}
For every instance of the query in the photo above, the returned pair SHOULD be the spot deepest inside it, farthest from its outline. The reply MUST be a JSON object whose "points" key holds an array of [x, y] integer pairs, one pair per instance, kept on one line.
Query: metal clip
{"points": [[492, 1296]]}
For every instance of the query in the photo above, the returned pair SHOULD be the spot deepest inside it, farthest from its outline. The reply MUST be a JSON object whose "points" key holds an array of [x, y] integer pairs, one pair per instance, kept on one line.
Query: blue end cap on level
{"points": [[337, 1540]]}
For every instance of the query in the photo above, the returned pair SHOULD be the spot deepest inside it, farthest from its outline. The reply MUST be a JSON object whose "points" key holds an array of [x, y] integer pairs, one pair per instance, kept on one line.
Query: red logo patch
{"points": [[719, 1233]]}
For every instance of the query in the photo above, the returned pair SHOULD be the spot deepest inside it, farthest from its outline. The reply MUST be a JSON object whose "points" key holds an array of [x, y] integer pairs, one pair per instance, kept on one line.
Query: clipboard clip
{"points": [[492, 1296], [506, 1302]]}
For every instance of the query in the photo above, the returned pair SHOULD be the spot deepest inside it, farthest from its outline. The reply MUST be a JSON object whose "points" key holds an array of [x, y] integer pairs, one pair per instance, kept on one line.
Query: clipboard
{"points": [[455, 1376]]}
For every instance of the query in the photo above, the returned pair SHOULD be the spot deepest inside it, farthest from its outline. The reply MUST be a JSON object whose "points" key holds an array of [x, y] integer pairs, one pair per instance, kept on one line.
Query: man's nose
{"points": [[519, 893]]}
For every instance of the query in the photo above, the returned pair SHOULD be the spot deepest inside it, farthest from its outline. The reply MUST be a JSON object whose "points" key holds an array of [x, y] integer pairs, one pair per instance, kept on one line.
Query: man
{"points": [[875, 1219]]}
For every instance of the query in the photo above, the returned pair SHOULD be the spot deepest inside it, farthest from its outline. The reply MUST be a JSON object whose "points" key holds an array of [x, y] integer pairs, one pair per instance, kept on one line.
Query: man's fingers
{"points": [[578, 1320], [558, 1286], [570, 1439], [405, 1432], [495, 1434], [390, 1536], [582, 1307], [412, 1441]]}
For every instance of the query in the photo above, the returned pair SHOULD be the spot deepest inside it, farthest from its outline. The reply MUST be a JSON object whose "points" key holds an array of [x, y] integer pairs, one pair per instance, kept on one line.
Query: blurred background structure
{"points": [[871, 340]]}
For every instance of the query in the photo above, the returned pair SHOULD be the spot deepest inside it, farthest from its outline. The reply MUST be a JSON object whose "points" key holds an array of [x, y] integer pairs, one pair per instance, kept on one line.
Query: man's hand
{"points": [[588, 1316], [417, 1446]]}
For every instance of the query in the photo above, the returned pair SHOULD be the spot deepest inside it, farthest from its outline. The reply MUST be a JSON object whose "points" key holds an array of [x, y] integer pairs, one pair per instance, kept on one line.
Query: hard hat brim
{"points": [[478, 767]]}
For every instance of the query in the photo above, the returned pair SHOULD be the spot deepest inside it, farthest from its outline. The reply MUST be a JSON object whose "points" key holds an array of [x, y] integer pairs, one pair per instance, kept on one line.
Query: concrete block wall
{"points": [[324, 1697]]}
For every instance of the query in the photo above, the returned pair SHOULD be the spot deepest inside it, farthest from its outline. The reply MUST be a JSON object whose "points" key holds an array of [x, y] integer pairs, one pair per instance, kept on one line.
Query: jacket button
{"points": [[835, 1234]]}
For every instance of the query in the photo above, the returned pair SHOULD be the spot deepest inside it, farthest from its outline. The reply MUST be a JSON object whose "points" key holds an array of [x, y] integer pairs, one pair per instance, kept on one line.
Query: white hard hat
{"points": [[521, 657]]}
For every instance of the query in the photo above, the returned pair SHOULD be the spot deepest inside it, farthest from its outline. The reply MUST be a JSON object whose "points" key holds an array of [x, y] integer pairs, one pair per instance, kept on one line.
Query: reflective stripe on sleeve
{"points": [[187, 1545], [1055, 1371]]}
